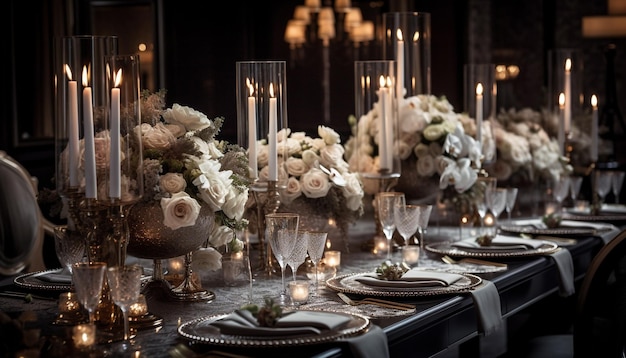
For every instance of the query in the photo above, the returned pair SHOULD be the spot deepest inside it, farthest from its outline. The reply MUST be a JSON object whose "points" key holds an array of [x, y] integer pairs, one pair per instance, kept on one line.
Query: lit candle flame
{"points": [[562, 100], [118, 78], [68, 72], [594, 101], [399, 35], [416, 36], [271, 90], [250, 86], [479, 89], [85, 77], [568, 65], [382, 81]]}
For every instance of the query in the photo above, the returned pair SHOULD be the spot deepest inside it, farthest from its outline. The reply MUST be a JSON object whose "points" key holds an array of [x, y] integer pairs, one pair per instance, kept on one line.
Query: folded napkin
{"points": [[613, 208], [599, 226], [55, 277], [500, 243], [413, 278], [372, 343], [563, 260], [243, 323], [487, 302]]}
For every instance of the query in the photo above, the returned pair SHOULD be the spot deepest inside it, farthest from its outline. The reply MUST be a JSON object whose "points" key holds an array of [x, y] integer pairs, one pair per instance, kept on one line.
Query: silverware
{"points": [[449, 260], [375, 301]]}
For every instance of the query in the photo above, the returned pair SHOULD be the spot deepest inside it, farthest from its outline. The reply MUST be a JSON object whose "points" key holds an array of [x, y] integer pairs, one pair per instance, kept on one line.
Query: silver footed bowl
{"points": [[150, 239]]}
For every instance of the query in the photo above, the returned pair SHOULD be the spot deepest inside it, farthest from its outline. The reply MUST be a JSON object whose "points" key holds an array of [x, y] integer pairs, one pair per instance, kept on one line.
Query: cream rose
{"points": [[296, 166], [206, 259], [157, 137], [180, 210], [188, 117], [352, 191], [172, 183], [315, 183], [329, 135], [292, 191], [221, 235], [235, 202]]}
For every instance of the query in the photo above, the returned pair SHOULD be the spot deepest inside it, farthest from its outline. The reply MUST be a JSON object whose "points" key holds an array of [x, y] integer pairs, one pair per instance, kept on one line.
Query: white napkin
{"points": [[586, 224], [565, 265], [243, 323], [500, 243], [605, 231], [613, 208], [55, 277], [371, 344], [413, 278], [487, 301]]}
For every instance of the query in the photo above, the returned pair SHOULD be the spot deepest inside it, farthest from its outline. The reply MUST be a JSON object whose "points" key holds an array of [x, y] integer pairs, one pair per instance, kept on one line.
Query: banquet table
{"points": [[439, 324]]}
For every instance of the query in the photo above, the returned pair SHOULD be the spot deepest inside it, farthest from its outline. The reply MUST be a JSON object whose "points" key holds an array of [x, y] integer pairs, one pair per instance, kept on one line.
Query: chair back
{"points": [[21, 230], [600, 323]]}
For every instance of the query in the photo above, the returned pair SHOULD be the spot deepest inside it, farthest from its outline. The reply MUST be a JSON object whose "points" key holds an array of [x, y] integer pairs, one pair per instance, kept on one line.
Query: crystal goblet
{"points": [[125, 285], [88, 278], [69, 247], [387, 202], [316, 242], [281, 230]]}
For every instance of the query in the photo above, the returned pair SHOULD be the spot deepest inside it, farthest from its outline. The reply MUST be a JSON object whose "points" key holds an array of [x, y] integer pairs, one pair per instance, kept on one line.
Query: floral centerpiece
{"points": [[187, 168], [317, 182], [433, 144]]}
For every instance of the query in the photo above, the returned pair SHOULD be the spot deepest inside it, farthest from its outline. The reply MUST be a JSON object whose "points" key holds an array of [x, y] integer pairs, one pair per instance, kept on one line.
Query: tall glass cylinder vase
{"points": [[479, 102], [262, 123], [406, 40]]}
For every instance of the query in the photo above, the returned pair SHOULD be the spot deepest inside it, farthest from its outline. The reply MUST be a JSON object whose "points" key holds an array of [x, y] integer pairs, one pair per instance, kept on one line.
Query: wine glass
{"points": [[125, 285], [616, 184], [316, 241], [282, 230], [88, 278], [498, 203], [387, 202], [560, 189], [298, 254], [575, 182], [423, 218], [603, 184], [511, 197], [69, 247], [406, 219]]}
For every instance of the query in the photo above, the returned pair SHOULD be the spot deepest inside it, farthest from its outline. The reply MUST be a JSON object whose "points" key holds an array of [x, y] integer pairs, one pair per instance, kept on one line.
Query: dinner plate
{"points": [[35, 281], [201, 330], [557, 231], [447, 248], [586, 216], [348, 284]]}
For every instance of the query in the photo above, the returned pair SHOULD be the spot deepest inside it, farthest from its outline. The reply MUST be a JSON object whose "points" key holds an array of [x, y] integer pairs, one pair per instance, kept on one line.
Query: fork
{"points": [[375, 301]]}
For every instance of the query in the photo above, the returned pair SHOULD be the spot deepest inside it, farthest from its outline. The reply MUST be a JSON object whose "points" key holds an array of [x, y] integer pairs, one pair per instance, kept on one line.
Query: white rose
{"points": [[421, 150], [172, 183], [158, 137], [352, 191], [296, 166], [180, 210], [310, 157], [426, 166], [291, 192], [206, 259], [315, 183], [331, 155], [221, 235], [263, 155], [102, 151], [501, 170], [235, 202], [176, 129], [213, 184], [329, 135], [188, 117], [283, 134]]}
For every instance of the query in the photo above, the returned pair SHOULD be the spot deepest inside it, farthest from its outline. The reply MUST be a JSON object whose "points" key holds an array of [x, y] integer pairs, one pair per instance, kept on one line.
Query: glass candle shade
{"points": [[411, 254], [261, 113], [123, 180], [81, 100], [68, 303], [139, 308], [84, 335], [332, 258], [406, 40], [376, 112], [299, 291], [480, 103]]}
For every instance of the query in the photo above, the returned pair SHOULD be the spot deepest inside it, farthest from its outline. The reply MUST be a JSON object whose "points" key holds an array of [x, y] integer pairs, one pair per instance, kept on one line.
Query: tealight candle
{"points": [[299, 291], [332, 258], [68, 302], [411, 254], [84, 335], [551, 208], [581, 205], [380, 245], [139, 308]]}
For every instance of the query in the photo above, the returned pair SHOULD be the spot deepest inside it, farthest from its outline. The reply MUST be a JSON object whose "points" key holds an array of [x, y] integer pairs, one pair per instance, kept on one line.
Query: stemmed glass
{"points": [[387, 202], [316, 241], [298, 254], [511, 197], [69, 247], [575, 182], [281, 230], [603, 184], [498, 203], [422, 223], [406, 219], [125, 285], [560, 189], [616, 184], [88, 278]]}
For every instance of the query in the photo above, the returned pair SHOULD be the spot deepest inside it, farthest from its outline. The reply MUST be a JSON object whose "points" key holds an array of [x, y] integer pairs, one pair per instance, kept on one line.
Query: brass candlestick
{"points": [[267, 204]]}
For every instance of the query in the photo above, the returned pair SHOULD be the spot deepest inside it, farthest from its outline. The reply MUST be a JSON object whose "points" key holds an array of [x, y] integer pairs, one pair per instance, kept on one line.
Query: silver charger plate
{"points": [[446, 248], [348, 284], [201, 330], [602, 217], [557, 231], [34, 281]]}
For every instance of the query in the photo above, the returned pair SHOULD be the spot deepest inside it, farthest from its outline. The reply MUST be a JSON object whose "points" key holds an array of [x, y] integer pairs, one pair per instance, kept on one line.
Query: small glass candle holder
{"points": [[299, 291], [139, 308], [411, 254], [332, 258], [582, 205], [70, 310], [84, 335], [380, 246], [551, 208]]}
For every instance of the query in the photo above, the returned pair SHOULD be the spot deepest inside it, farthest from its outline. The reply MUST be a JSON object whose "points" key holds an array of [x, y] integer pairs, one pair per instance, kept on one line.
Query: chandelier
{"points": [[314, 24]]}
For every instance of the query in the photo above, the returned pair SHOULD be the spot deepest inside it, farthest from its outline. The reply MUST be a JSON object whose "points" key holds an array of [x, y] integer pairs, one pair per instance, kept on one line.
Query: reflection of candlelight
{"points": [[139, 308], [299, 291], [176, 265], [411, 254], [332, 258], [380, 245], [68, 302], [84, 335]]}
